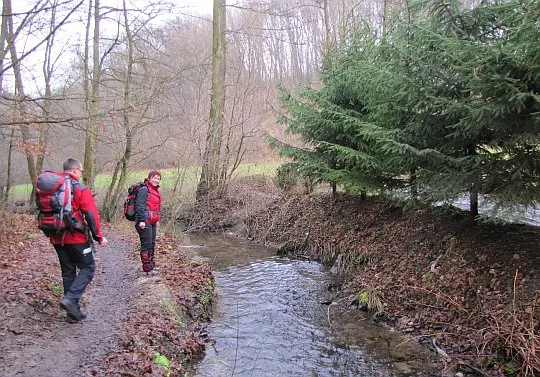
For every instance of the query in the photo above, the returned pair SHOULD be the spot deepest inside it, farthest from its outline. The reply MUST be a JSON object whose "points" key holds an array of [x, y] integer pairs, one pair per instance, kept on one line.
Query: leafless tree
{"points": [[210, 182], [141, 85], [174, 79], [26, 127]]}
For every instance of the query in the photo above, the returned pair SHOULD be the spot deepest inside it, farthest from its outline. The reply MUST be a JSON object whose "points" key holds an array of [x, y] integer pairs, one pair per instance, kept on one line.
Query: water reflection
{"points": [[272, 319]]}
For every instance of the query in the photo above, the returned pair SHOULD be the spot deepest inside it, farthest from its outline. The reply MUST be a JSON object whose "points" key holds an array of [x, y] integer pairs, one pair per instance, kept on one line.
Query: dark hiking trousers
{"points": [[148, 245], [73, 257]]}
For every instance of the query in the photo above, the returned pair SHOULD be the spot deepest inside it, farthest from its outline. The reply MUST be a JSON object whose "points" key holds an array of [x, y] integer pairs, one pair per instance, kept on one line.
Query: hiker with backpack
{"points": [[147, 215], [69, 217]]}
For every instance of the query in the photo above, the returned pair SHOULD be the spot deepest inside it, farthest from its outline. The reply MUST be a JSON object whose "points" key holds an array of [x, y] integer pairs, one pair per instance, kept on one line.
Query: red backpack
{"points": [[54, 193], [131, 200]]}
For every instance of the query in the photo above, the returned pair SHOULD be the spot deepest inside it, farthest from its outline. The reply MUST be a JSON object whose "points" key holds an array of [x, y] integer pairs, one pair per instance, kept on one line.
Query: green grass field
{"points": [[184, 178]]}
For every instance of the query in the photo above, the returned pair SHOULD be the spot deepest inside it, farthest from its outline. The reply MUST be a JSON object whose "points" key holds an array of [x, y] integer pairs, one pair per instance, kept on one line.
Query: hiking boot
{"points": [[152, 272], [71, 319], [156, 268], [83, 313], [72, 308]]}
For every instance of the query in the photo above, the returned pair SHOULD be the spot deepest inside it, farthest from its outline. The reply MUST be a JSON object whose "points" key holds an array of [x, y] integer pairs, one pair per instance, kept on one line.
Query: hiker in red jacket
{"points": [[147, 215], [74, 248]]}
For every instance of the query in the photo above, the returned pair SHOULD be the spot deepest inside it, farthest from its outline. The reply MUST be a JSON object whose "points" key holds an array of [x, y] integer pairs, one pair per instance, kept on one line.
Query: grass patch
{"points": [[162, 362], [56, 289], [185, 178], [257, 168], [370, 300], [20, 192], [172, 309]]}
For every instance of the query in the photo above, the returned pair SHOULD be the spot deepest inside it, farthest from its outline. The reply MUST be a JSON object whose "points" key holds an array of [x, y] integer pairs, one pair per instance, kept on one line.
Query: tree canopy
{"points": [[446, 105]]}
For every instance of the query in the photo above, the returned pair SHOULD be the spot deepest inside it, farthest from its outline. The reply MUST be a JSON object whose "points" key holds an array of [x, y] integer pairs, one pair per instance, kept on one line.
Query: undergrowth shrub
{"points": [[516, 333], [287, 176]]}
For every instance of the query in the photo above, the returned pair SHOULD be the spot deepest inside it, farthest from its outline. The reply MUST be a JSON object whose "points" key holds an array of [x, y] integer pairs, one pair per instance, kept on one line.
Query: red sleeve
{"points": [[87, 206]]}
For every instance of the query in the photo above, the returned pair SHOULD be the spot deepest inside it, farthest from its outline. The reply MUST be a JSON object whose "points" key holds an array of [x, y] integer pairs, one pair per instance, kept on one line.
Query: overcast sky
{"points": [[32, 64], [201, 5]]}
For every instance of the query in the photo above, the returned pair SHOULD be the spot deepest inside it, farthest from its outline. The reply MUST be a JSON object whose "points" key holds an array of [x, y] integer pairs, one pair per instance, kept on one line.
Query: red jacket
{"points": [[85, 210], [148, 204]]}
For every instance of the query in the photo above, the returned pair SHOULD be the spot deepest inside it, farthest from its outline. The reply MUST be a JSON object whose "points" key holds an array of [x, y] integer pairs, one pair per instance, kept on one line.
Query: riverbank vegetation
{"points": [[446, 106], [469, 291]]}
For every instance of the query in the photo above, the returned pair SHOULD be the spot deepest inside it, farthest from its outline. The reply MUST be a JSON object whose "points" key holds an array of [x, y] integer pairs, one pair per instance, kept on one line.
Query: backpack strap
{"points": [[74, 183]]}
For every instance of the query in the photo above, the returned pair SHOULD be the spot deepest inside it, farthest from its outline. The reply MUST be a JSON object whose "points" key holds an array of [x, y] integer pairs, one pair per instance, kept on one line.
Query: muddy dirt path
{"points": [[60, 349]]}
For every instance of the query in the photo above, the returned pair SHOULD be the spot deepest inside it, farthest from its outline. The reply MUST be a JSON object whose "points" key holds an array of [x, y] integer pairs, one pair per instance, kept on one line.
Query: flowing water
{"points": [[518, 214], [274, 316]]}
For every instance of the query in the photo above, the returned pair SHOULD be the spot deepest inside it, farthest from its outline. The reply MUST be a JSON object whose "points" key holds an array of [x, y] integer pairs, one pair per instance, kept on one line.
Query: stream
{"points": [[276, 316]]}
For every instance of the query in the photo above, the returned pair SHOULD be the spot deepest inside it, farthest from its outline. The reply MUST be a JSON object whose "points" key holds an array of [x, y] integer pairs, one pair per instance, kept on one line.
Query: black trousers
{"points": [[148, 245], [78, 268]]}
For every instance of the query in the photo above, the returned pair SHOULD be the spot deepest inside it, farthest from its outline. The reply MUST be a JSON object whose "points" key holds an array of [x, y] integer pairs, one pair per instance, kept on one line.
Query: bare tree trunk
{"points": [[93, 102], [120, 170], [86, 76], [20, 96], [473, 188], [413, 183], [47, 98], [4, 190], [385, 19], [327, 29], [109, 204], [3, 36], [209, 184], [4, 194], [473, 204]]}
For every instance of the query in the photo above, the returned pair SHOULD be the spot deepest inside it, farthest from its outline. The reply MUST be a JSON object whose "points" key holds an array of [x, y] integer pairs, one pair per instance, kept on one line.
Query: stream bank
{"points": [[469, 292], [280, 316]]}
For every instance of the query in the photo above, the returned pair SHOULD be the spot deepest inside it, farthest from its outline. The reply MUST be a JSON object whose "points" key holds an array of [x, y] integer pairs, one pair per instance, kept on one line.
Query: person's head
{"points": [[154, 177], [74, 167]]}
